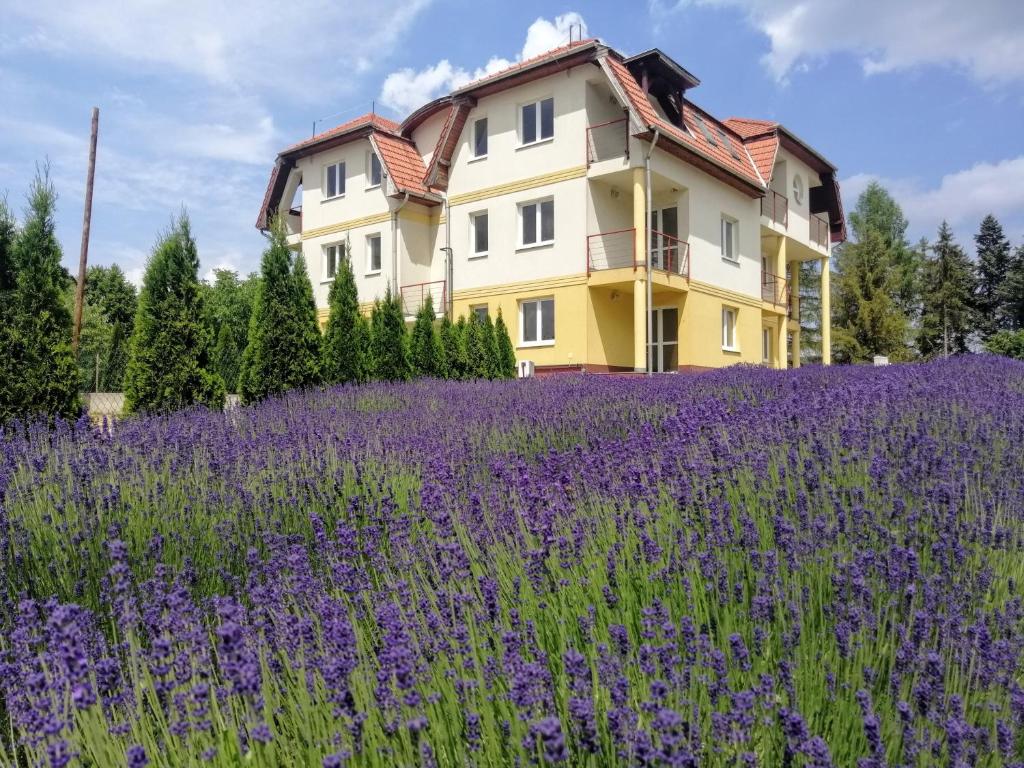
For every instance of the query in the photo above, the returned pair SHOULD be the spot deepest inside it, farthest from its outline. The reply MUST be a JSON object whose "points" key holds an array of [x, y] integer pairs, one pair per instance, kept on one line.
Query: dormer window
{"points": [[374, 174]]}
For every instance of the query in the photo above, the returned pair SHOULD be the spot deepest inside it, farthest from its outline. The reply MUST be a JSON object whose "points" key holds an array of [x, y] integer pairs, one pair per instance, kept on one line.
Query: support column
{"points": [[779, 268], [794, 305], [639, 275], [826, 313]]}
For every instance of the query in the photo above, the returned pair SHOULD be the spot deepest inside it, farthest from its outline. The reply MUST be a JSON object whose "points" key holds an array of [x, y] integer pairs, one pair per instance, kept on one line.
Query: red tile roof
{"points": [[403, 163], [748, 127], [551, 55], [369, 120], [762, 151]]}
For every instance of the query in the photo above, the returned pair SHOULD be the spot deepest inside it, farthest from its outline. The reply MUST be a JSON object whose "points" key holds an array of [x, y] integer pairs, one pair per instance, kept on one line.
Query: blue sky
{"points": [[196, 97]]}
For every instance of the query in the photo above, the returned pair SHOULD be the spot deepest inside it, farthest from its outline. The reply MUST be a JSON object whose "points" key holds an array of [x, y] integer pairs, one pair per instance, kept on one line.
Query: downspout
{"points": [[394, 243], [449, 269], [647, 249]]}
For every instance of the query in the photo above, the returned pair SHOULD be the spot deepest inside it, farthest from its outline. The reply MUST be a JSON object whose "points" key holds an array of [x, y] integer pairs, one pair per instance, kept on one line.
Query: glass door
{"points": [[663, 350], [665, 250]]}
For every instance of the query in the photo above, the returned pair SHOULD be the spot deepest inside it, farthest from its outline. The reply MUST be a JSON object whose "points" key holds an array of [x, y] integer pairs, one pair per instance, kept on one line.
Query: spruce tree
{"points": [[283, 351], [1013, 290], [506, 352], [10, 346], [45, 375], [868, 320], [491, 348], [426, 353], [389, 342], [949, 289], [993, 312], [169, 365], [341, 345], [450, 344]]}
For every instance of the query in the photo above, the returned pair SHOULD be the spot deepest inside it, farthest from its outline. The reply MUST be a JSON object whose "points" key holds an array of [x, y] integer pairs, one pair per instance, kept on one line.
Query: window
{"points": [[333, 254], [537, 322], [372, 254], [334, 180], [730, 238], [478, 233], [480, 138], [766, 345], [373, 170], [798, 189], [537, 223], [536, 121], [729, 315], [480, 310]]}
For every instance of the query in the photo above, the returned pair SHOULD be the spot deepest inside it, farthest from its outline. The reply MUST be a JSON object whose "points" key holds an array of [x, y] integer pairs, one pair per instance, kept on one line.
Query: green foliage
{"points": [[361, 335], [389, 340], [343, 346], [453, 343], [809, 301], [1013, 290], [283, 349], [479, 353], [491, 347], [43, 375], [94, 343], [949, 287], [108, 290], [506, 352], [169, 364], [426, 352], [10, 344], [227, 306], [867, 318], [227, 357], [994, 310], [1007, 343]]}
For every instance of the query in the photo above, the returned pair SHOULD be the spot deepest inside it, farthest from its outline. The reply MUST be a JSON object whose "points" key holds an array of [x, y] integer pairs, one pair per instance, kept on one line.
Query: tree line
{"points": [[181, 341], [924, 300]]}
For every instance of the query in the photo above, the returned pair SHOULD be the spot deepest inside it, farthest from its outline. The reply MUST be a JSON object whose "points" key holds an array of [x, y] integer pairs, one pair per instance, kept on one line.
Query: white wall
{"points": [[357, 202]]}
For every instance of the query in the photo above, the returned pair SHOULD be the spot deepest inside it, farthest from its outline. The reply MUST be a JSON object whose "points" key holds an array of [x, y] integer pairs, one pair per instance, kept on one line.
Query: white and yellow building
{"points": [[585, 195]]}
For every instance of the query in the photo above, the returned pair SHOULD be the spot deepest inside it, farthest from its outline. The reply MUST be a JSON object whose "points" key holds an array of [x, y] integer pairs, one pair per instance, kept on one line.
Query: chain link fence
{"points": [[110, 405]]}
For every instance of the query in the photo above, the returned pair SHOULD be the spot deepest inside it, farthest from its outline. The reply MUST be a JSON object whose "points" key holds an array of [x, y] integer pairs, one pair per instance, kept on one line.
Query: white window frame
{"points": [[339, 180], [370, 183], [540, 139], [538, 243], [730, 323], [536, 304], [766, 344], [480, 309], [369, 254], [473, 219], [339, 254], [472, 139], [734, 256]]}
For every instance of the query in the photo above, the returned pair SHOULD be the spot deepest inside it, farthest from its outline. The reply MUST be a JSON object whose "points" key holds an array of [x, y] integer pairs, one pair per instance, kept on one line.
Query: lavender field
{"points": [[744, 568]]}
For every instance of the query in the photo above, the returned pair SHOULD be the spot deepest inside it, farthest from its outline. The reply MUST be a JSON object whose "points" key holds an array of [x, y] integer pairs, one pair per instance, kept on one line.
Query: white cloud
{"points": [[407, 89], [962, 198], [986, 39]]}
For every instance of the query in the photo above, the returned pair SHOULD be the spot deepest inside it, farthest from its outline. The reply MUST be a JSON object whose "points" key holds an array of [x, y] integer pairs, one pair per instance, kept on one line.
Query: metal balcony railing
{"points": [[611, 250], [776, 207], [775, 289], [608, 140], [670, 254], [414, 296], [819, 230]]}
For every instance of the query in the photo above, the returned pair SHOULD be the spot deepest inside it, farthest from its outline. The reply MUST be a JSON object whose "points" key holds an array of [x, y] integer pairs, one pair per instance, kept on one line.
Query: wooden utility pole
{"points": [[83, 257]]}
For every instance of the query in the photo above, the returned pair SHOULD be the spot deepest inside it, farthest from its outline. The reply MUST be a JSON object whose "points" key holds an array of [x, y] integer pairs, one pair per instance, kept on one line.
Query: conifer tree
{"points": [[1013, 290], [227, 358], [283, 350], [454, 353], [868, 320], [949, 289], [426, 353], [478, 356], [491, 348], [389, 342], [506, 352], [108, 290], [1006, 343], [45, 374], [342, 350], [169, 365], [362, 344], [993, 311], [228, 303], [10, 346]]}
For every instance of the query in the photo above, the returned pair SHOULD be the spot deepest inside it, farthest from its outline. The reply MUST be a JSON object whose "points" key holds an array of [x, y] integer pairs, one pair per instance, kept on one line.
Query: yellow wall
{"points": [[700, 333], [610, 327]]}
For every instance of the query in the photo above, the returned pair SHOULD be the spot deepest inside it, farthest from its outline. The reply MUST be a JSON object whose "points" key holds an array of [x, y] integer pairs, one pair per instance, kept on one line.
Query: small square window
{"points": [[481, 312], [372, 254], [536, 121], [480, 138], [537, 222], [729, 315], [537, 321], [478, 224], [334, 180], [374, 174], [730, 238]]}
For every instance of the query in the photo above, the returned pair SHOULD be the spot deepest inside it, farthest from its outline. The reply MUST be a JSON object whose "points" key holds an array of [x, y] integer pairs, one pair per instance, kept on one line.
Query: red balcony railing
{"points": [[775, 289], [607, 141], [819, 230], [776, 207], [670, 254], [414, 296], [611, 250]]}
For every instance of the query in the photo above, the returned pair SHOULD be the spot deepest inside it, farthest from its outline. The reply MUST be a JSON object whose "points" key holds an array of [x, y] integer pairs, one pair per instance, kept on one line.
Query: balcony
{"points": [[819, 230], [775, 290], [617, 249], [775, 207], [607, 141], [414, 296]]}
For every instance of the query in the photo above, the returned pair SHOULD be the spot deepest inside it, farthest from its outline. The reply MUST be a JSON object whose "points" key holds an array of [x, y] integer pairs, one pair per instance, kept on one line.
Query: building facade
{"points": [[614, 223]]}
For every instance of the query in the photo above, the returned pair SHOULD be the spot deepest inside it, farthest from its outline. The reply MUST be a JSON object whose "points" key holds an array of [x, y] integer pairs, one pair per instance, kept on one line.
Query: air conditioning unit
{"points": [[881, 359], [525, 369]]}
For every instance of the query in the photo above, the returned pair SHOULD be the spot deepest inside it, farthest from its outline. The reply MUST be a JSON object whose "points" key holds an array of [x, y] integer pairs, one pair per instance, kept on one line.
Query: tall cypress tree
{"points": [[426, 353], [364, 363], [478, 363], [491, 348], [283, 348], [993, 312], [107, 289], [389, 342], [45, 371], [451, 345], [227, 357], [169, 365], [341, 346], [949, 289], [506, 352]]}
